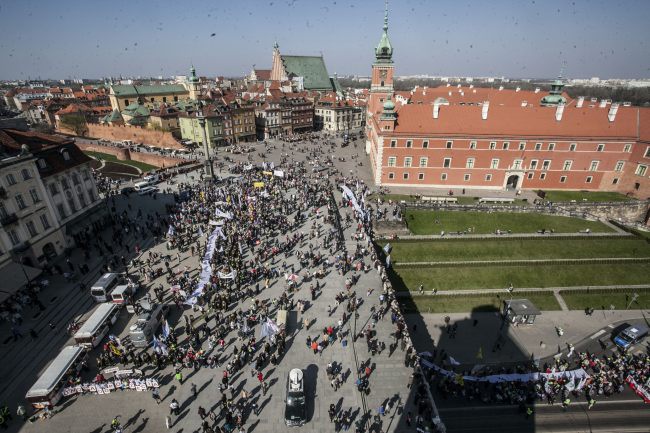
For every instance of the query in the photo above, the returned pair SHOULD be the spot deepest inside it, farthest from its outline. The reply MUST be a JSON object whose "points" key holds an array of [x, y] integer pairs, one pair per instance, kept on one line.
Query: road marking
{"points": [[597, 334], [610, 326]]}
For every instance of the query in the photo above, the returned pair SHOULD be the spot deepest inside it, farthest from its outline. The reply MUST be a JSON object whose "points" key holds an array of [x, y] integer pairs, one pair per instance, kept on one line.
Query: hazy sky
{"points": [[516, 38]]}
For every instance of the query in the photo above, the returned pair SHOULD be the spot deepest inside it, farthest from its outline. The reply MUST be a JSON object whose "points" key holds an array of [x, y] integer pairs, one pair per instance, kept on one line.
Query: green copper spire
{"points": [[384, 51], [193, 77]]}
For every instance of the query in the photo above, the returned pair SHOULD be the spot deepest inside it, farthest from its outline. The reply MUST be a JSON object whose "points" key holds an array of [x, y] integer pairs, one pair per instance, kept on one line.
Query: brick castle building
{"points": [[463, 137]]}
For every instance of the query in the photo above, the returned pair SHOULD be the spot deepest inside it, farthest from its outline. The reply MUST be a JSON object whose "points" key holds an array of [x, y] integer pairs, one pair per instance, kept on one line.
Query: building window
{"points": [[45, 222], [424, 161], [589, 179], [562, 179], [393, 143], [54, 190], [495, 163], [391, 175], [164, 99], [75, 179], [409, 143], [516, 164], [530, 175], [26, 174], [472, 144], [65, 183], [551, 146], [572, 147], [450, 144], [506, 145], [641, 170], [66, 155], [446, 163], [467, 177], [600, 148], [425, 144], [443, 176], [538, 146], [469, 163], [13, 236], [593, 166], [392, 161], [42, 164], [647, 152], [567, 165], [34, 194], [542, 176], [619, 166], [405, 176], [126, 102], [31, 228], [533, 164], [61, 209], [408, 161], [627, 148], [175, 98], [20, 202], [493, 145], [615, 181], [420, 176], [488, 177], [546, 165], [85, 174], [522, 145], [11, 180]]}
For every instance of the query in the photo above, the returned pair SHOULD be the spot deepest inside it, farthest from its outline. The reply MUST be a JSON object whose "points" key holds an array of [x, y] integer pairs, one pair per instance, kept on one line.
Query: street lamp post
{"points": [[209, 169]]}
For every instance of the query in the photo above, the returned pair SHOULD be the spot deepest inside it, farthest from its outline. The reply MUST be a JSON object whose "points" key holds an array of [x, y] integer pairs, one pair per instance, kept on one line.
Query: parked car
{"points": [[148, 190], [630, 336], [295, 413]]}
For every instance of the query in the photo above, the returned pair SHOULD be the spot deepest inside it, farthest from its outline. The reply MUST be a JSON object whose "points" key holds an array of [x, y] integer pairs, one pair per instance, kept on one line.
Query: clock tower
{"points": [[381, 88]]}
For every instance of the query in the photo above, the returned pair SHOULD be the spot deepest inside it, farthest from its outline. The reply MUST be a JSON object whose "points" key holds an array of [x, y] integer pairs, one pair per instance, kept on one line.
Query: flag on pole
{"points": [[165, 329]]}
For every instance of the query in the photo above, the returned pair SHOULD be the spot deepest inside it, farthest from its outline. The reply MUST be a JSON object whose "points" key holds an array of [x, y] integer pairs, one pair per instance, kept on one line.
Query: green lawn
{"points": [[423, 222], [579, 196], [460, 304], [517, 249], [495, 277], [579, 300], [108, 157]]}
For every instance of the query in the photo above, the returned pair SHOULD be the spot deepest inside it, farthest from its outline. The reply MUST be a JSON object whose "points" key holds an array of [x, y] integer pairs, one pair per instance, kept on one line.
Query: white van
{"points": [[147, 323], [101, 290], [142, 185], [151, 178], [120, 293], [97, 326]]}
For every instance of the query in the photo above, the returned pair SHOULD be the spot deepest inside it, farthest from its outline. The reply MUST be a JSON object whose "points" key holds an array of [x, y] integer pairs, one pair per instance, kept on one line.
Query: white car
{"points": [[148, 190]]}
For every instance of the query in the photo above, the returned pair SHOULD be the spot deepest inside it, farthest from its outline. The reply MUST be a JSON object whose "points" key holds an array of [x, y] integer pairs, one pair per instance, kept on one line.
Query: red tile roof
{"points": [[509, 121], [263, 74]]}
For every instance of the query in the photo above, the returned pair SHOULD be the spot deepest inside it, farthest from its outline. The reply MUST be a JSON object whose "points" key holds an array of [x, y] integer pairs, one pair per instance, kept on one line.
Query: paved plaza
{"points": [[139, 412]]}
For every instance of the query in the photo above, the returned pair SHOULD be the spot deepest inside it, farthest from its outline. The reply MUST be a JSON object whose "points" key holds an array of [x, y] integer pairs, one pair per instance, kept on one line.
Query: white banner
{"points": [[206, 268], [229, 276], [278, 173], [350, 195]]}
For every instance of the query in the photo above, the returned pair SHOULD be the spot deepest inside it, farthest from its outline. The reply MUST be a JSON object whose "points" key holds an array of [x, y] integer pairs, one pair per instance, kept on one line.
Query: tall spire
{"points": [[385, 16], [384, 51]]}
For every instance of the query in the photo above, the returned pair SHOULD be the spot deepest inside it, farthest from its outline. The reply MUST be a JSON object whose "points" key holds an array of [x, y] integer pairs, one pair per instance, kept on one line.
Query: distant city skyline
{"points": [[535, 38]]}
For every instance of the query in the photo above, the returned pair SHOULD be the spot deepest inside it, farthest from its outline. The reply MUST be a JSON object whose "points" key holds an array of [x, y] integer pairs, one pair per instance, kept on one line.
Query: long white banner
{"points": [[206, 268]]}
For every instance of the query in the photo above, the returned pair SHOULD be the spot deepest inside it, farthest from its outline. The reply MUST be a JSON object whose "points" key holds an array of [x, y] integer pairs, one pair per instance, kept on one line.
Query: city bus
{"points": [[101, 290], [96, 327], [48, 389]]}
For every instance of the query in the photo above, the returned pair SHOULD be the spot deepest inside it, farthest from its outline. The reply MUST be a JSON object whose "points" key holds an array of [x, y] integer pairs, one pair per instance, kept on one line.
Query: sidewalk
{"points": [[520, 343]]}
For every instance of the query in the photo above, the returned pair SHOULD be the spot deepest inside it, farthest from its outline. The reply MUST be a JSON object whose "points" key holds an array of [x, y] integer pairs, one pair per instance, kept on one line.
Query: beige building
{"points": [[333, 114]]}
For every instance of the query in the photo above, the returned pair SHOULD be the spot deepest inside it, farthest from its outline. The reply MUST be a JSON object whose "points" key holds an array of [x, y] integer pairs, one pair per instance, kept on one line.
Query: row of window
{"points": [[26, 174], [494, 164], [488, 177], [506, 146], [14, 237]]}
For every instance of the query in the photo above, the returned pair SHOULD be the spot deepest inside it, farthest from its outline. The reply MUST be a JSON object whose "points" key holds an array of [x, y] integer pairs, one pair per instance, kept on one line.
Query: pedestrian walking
{"points": [[155, 393], [193, 390], [168, 422]]}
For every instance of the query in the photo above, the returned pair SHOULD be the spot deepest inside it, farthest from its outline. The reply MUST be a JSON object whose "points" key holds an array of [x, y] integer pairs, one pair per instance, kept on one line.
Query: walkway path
{"points": [[520, 290], [523, 262]]}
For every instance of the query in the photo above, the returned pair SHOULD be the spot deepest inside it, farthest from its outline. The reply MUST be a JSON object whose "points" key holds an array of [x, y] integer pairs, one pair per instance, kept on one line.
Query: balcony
{"points": [[8, 219]]}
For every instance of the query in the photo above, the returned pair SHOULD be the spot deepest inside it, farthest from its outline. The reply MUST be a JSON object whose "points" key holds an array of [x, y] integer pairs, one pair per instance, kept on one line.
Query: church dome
{"points": [[389, 105]]}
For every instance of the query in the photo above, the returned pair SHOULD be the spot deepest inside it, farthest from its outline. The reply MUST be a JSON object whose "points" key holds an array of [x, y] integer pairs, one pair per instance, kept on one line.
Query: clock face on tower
{"points": [[383, 73]]}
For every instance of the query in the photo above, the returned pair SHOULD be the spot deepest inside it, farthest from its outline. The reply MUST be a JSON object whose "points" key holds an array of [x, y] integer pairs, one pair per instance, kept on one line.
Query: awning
{"points": [[13, 278]]}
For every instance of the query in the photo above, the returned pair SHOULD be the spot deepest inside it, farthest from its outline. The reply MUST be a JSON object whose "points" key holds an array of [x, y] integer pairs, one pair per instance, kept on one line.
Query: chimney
{"points": [[517, 89], [462, 93], [484, 110], [536, 89], [581, 101], [524, 103], [436, 109], [500, 88], [448, 85], [612, 112], [559, 111], [424, 92], [603, 103], [458, 86], [471, 86], [449, 93]]}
